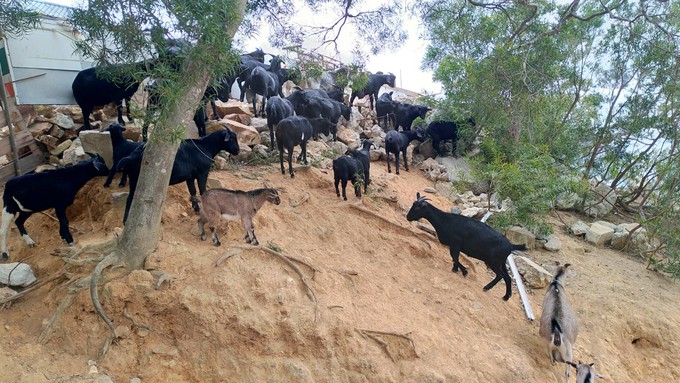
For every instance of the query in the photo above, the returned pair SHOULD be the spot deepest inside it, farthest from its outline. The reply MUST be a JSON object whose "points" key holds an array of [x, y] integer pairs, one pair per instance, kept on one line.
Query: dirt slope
{"points": [[250, 319]]}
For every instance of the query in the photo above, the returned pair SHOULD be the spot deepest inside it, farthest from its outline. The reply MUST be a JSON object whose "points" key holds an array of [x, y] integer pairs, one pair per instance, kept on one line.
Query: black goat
{"points": [[384, 110], [263, 83], [246, 71], [345, 169], [290, 132], [321, 125], [396, 142], [364, 155], [121, 149], [192, 163], [337, 94], [300, 99], [445, 130], [52, 189], [406, 113], [474, 238], [277, 109], [375, 82], [90, 90]]}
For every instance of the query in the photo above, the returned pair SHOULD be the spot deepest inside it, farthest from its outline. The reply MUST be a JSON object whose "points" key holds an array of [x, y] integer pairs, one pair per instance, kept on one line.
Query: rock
{"points": [[244, 152], [535, 276], [135, 380], [430, 190], [553, 244], [471, 212], [374, 131], [214, 126], [56, 131], [123, 331], [94, 370], [220, 162], [40, 128], [599, 234], [45, 110], [162, 349], [456, 210], [247, 135], [6, 292], [264, 139], [260, 124], [608, 224], [338, 147], [103, 379], [316, 148], [350, 138], [579, 228], [98, 142], [21, 274], [599, 201], [49, 141], [64, 121], [69, 157], [619, 239], [232, 107], [376, 154], [59, 149], [243, 118], [427, 150], [521, 236], [54, 160], [261, 150], [429, 164], [566, 201]]}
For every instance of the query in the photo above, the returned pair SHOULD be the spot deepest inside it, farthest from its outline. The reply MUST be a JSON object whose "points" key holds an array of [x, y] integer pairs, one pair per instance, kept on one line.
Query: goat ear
{"points": [[417, 195], [565, 266], [599, 376], [572, 364]]}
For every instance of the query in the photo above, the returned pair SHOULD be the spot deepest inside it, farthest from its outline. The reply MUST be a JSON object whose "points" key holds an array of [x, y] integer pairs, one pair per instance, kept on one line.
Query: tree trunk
{"points": [[142, 229]]}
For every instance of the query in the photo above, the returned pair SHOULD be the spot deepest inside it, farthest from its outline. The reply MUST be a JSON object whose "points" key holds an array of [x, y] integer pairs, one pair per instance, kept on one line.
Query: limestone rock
{"points": [[338, 147], [49, 141], [427, 150], [600, 200], [245, 119], [350, 138], [599, 234], [59, 149], [566, 201], [244, 152], [553, 244], [247, 135], [374, 131], [40, 128], [64, 121], [535, 276], [519, 235], [579, 228], [471, 212], [232, 107], [260, 124], [98, 142], [21, 274]]}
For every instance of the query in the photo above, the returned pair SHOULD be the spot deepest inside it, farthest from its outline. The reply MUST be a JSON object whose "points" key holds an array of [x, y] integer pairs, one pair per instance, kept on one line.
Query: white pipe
{"points": [[518, 280]]}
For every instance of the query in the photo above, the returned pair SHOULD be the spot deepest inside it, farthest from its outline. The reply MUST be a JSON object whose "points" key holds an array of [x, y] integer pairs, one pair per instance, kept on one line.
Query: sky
{"points": [[404, 61]]}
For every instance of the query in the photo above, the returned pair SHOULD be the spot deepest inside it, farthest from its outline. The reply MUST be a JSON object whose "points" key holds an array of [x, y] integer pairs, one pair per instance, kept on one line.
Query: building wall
{"points": [[44, 63]]}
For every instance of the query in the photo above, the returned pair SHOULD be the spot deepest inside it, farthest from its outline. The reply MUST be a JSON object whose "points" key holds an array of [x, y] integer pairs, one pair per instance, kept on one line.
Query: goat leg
{"points": [[455, 254], [215, 239], [63, 225]]}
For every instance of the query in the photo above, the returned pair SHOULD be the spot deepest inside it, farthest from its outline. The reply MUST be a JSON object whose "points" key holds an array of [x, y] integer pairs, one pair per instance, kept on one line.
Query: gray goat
{"points": [[232, 205], [559, 325], [585, 373]]}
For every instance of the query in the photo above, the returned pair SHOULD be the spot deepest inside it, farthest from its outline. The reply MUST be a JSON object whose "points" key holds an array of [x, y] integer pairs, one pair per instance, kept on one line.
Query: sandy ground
{"points": [[388, 308]]}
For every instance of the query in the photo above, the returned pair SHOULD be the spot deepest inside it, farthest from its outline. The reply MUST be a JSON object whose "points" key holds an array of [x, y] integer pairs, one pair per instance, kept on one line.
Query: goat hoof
{"points": [[292, 175], [218, 243], [121, 185], [5, 257], [506, 298], [107, 185], [203, 237]]}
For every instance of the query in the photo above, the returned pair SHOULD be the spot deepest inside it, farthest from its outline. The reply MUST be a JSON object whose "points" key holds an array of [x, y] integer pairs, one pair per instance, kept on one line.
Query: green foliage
{"points": [[16, 18]]}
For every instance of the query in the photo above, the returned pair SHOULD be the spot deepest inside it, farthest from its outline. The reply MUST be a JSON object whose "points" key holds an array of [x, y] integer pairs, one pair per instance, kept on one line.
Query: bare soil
{"points": [[388, 308]]}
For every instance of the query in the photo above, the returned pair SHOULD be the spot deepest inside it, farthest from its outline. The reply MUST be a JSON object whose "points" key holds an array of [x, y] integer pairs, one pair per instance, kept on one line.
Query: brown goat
{"points": [[232, 205]]}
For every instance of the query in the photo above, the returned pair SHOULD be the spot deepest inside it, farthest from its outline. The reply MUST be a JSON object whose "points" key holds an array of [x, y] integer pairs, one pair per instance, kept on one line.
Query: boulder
{"points": [[40, 128], [316, 148], [600, 200], [244, 152], [64, 121], [472, 212], [535, 276], [98, 142], [232, 107], [579, 228], [50, 141], [59, 149], [553, 244], [245, 119], [56, 131], [247, 135], [350, 138], [16, 274], [521, 236], [378, 154], [374, 131], [599, 234], [338, 147], [427, 150], [261, 150], [220, 163], [260, 124], [566, 201]]}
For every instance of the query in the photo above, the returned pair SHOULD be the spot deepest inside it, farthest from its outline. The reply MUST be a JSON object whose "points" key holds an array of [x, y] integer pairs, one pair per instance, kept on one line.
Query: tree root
{"points": [[392, 224], [109, 260], [47, 331], [135, 323], [82, 262], [302, 200], [96, 248], [376, 336]]}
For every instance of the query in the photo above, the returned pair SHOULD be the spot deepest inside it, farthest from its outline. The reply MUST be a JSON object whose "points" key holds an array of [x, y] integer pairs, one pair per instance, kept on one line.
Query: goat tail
{"points": [[519, 247], [556, 333]]}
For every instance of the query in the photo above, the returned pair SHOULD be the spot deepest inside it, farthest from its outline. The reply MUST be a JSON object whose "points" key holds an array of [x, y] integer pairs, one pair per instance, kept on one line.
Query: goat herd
{"points": [[302, 115]]}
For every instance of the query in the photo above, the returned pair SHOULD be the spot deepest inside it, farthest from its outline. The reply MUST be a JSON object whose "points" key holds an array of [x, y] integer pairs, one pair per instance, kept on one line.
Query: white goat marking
{"points": [[7, 219], [29, 241], [230, 217], [21, 207], [303, 136]]}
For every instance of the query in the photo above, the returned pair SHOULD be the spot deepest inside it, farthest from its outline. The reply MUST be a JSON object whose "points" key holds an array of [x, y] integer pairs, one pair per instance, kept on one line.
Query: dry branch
{"points": [[375, 335], [426, 228], [66, 303], [390, 223], [109, 260], [32, 288]]}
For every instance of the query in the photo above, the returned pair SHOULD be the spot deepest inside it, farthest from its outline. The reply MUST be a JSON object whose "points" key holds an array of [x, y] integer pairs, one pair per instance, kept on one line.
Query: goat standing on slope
{"points": [[585, 373], [559, 325], [232, 205], [474, 238]]}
